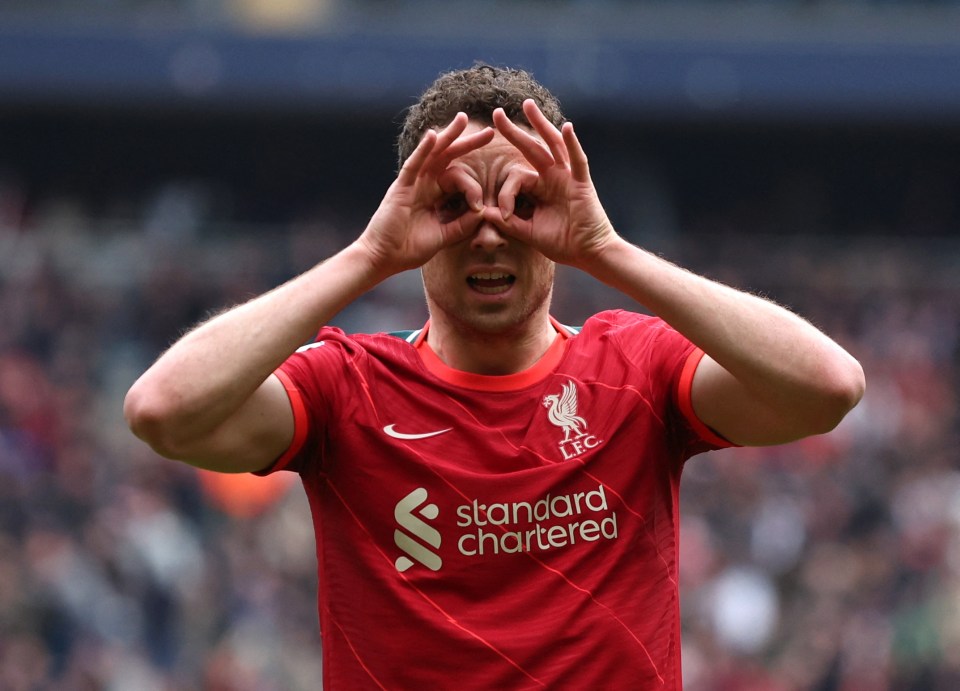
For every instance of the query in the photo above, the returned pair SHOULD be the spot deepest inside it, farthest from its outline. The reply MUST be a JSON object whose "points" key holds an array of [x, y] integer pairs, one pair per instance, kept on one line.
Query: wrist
{"points": [[604, 254], [371, 263]]}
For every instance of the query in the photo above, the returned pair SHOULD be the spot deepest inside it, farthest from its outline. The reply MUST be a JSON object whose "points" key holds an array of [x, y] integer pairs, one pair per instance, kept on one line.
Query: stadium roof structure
{"points": [[766, 61]]}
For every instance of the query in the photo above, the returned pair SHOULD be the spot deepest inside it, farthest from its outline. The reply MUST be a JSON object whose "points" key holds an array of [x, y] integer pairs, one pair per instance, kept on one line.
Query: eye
{"points": [[524, 207], [452, 208]]}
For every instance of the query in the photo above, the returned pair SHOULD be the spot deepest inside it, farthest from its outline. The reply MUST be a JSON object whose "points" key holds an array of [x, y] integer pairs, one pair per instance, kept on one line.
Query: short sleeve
{"points": [[685, 403], [309, 377], [665, 362]]}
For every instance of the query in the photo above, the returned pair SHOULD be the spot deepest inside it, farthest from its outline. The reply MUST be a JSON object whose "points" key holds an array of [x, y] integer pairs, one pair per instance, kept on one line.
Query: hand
{"points": [[412, 223], [553, 207]]}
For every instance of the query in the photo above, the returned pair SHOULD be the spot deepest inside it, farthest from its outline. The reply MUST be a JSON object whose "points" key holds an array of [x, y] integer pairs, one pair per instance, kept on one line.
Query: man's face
{"points": [[489, 283]]}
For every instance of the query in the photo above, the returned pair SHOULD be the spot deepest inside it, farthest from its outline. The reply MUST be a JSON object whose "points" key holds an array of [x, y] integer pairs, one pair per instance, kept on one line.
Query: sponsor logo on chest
{"points": [[488, 528], [562, 411]]}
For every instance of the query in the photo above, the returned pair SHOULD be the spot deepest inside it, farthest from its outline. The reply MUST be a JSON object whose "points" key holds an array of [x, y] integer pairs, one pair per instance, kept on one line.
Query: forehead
{"points": [[495, 157]]}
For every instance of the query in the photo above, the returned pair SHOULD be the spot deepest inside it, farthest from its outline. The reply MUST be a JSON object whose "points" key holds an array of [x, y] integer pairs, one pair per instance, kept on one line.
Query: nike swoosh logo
{"points": [[391, 432]]}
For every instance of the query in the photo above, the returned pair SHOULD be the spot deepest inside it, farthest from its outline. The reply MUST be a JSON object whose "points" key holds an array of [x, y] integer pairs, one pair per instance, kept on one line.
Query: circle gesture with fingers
{"points": [[553, 207], [430, 205]]}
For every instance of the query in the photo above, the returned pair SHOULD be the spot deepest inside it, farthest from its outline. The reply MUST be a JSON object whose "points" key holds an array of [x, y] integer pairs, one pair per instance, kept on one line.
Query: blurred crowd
{"points": [[830, 564]]}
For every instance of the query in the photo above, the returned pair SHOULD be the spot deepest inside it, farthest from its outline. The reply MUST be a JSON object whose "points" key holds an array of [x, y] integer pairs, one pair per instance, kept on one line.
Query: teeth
{"points": [[491, 282], [492, 291], [500, 280]]}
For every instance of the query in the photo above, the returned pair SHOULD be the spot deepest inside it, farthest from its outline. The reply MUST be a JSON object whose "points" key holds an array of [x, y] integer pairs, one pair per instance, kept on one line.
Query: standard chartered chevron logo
{"points": [[410, 513]]}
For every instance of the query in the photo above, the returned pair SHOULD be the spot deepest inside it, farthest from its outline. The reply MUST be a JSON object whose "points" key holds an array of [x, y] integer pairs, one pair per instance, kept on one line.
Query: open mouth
{"points": [[492, 283]]}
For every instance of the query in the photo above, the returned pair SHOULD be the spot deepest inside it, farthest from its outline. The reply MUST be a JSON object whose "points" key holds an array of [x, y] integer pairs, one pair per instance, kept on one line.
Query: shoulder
{"points": [[362, 342], [337, 364], [334, 350], [641, 339], [615, 322]]}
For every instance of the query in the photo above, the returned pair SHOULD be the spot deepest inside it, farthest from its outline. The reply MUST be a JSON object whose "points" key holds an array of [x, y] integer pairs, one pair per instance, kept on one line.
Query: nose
{"points": [[488, 236]]}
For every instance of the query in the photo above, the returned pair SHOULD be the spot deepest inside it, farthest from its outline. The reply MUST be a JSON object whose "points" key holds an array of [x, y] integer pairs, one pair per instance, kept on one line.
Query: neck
{"points": [[503, 352]]}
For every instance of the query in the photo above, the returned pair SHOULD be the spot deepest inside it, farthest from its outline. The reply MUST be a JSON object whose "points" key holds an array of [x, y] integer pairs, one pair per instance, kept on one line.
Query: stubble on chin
{"points": [[490, 322]]}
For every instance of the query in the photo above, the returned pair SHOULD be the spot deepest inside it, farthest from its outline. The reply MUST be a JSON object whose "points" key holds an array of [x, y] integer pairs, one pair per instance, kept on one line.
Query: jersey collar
{"points": [[486, 382]]}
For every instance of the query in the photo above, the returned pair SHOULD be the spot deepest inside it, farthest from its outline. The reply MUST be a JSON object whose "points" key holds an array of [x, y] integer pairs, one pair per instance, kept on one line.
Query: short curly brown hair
{"points": [[476, 91]]}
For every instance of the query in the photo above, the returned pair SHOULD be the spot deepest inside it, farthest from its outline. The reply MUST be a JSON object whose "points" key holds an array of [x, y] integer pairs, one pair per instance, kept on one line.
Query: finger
{"points": [[414, 164], [453, 130], [466, 144], [518, 229], [518, 180], [454, 180], [579, 167], [445, 137], [531, 147], [546, 129]]}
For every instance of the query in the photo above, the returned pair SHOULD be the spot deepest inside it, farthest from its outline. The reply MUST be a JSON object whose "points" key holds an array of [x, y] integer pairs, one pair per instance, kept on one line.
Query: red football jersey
{"points": [[507, 532]]}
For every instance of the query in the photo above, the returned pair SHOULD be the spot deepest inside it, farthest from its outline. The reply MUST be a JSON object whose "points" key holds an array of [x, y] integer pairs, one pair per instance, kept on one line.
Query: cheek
{"points": [[435, 273], [544, 271]]}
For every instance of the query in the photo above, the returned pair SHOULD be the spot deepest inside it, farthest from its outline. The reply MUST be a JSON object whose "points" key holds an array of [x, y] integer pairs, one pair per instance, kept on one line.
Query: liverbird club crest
{"points": [[562, 412]]}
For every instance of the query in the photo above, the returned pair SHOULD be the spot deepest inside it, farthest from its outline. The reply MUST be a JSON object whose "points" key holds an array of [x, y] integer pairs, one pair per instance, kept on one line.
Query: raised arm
{"points": [[768, 376], [212, 400]]}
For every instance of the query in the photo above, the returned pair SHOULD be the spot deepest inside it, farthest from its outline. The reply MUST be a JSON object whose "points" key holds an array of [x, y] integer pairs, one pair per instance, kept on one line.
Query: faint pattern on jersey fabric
{"points": [[562, 412], [495, 434]]}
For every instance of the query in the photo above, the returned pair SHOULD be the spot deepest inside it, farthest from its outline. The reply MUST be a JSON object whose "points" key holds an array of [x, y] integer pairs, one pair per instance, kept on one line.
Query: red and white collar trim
{"points": [[486, 382]]}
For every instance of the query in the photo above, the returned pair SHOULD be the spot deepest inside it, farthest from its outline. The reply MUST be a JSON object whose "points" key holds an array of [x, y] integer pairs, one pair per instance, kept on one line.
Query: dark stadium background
{"points": [[159, 160]]}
